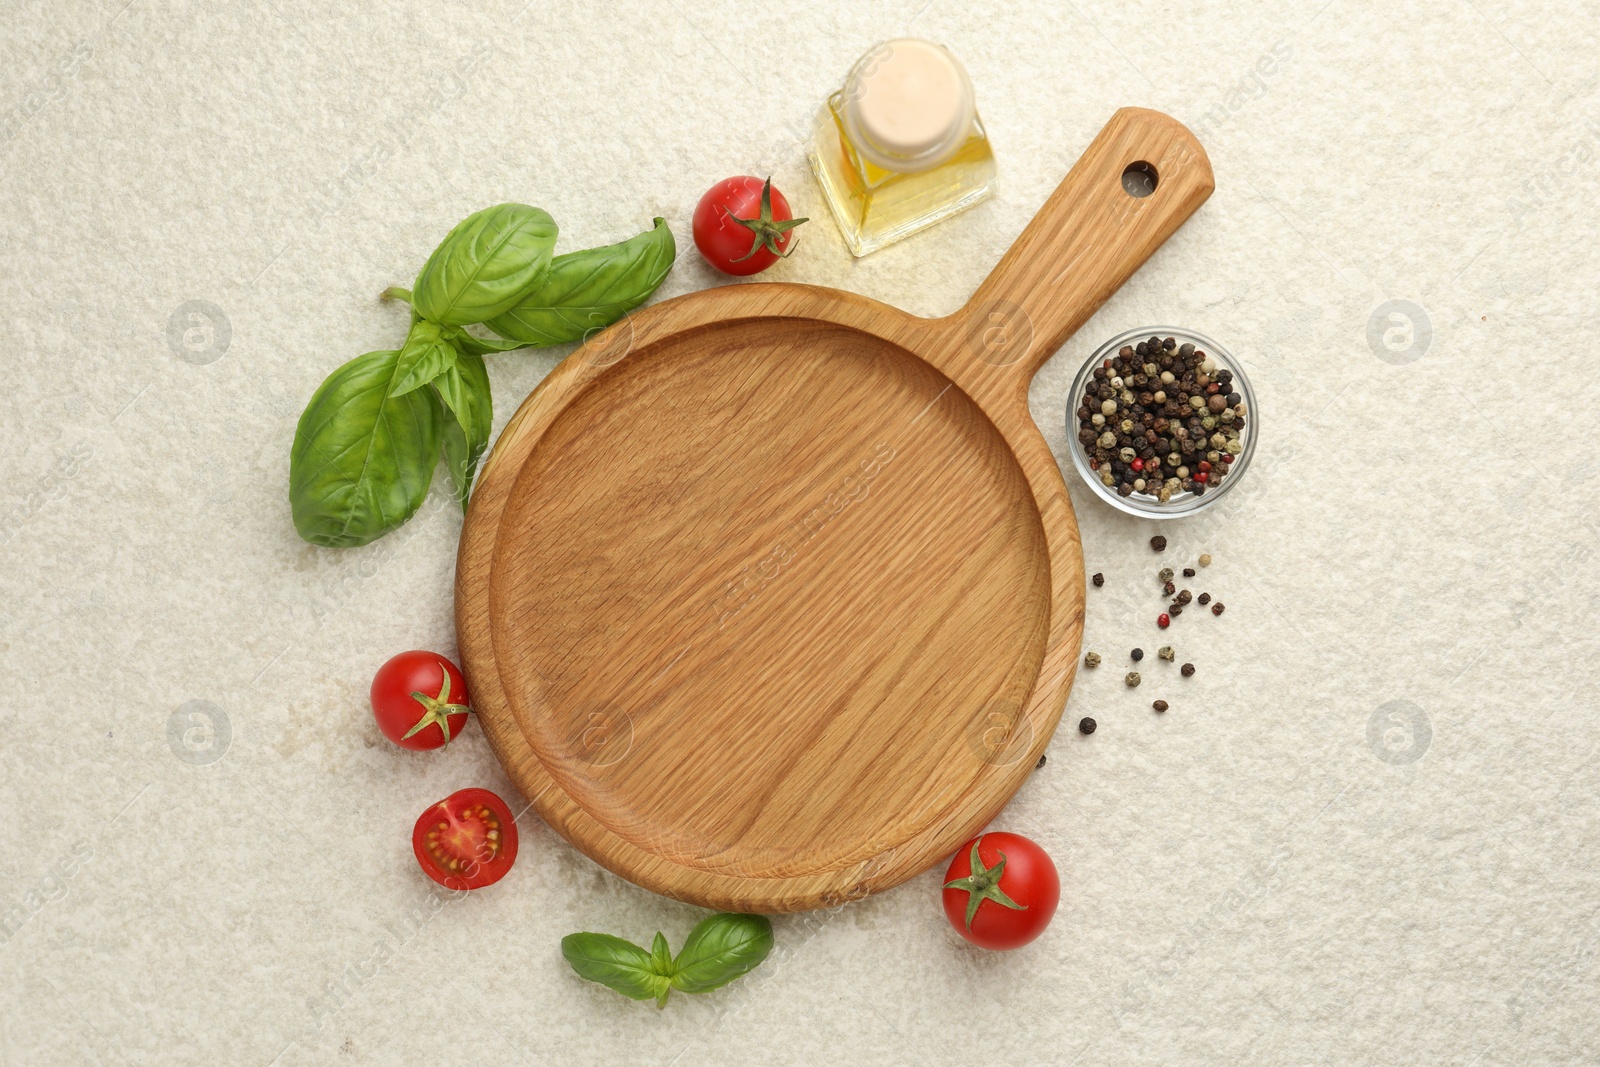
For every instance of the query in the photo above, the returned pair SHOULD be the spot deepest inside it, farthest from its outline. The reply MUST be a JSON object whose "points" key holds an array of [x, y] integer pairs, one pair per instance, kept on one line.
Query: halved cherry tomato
{"points": [[1001, 891], [466, 841], [415, 696], [742, 225]]}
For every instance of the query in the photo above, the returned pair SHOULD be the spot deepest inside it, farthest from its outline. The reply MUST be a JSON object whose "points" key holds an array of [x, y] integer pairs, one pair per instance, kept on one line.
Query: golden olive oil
{"points": [[876, 206]]}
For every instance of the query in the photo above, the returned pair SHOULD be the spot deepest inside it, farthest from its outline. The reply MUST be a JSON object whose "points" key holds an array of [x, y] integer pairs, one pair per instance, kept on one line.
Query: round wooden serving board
{"points": [[771, 595]]}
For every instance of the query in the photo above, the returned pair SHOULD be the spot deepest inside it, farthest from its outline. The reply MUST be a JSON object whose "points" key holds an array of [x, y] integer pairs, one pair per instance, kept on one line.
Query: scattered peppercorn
{"points": [[1169, 589], [1184, 596], [1086, 725], [1098, 579], [1132, 679], [1175, 610], [1163, 620], [1217, 609], [1187, 670], [1160, 705], [1036, 766], [1158, 543], [1205, 559], [1166, 653], [1092, 659], [1137, 654], [1205, 598], [1164, 574], [1188, 572]]}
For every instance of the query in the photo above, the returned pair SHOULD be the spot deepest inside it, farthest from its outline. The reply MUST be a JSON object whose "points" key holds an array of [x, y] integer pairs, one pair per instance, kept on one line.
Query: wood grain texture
{"points": [[771, 595]]}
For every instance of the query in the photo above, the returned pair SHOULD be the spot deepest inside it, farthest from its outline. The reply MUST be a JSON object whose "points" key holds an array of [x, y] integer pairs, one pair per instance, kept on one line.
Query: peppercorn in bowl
{"points": [[1162, 422]]}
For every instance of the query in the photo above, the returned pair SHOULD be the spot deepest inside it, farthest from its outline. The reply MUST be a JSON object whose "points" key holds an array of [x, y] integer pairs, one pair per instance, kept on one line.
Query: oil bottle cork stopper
{"points": [[909, 105]]}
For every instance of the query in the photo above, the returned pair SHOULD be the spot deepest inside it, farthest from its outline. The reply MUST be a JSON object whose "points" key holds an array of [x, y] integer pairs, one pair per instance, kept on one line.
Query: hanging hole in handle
{"points": [[1139, 179]]}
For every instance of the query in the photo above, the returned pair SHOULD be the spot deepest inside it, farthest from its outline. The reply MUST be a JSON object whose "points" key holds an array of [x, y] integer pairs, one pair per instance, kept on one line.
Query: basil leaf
{"points": [[458, 459], [485, 265], [589, 290], [464, 388], [616, 964], [362, 460], [661, 962], [482, 346], [720, 949], [661, 955], [426, 355]]}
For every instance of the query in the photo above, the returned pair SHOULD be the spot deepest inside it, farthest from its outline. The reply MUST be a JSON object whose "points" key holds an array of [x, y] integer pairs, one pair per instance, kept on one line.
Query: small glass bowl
{"points": [[1183, 503]]}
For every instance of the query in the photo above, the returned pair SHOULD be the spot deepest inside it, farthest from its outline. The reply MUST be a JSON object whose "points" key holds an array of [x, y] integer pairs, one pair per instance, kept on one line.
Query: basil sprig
{"points": [[721, 948], [367, 444]]}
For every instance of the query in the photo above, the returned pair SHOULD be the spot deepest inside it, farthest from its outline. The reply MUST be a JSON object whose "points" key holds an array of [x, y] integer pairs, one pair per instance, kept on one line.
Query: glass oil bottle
{"points": [[901, 145]]}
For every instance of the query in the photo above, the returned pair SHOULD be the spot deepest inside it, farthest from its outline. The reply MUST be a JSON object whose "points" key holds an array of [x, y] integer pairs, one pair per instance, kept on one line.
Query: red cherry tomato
{"points": [[466, 841], [1001, 891], [415, 695], [743, 226]]}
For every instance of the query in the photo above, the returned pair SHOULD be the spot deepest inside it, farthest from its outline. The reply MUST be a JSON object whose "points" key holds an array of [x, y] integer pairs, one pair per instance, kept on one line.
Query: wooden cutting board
{"points": [[770, 595]]}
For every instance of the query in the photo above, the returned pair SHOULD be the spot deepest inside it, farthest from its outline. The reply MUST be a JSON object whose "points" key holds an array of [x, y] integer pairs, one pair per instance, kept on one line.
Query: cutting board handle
{"points": [[1089, 237]]}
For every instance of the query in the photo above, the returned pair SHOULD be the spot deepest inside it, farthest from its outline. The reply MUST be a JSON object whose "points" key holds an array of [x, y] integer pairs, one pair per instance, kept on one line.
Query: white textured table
{"points": [[1365, 832]]}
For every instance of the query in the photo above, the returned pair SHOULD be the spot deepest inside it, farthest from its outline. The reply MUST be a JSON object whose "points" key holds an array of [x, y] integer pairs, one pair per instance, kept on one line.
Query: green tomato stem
{"points": [[983, 884], [437, 709], [767, 232]]}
